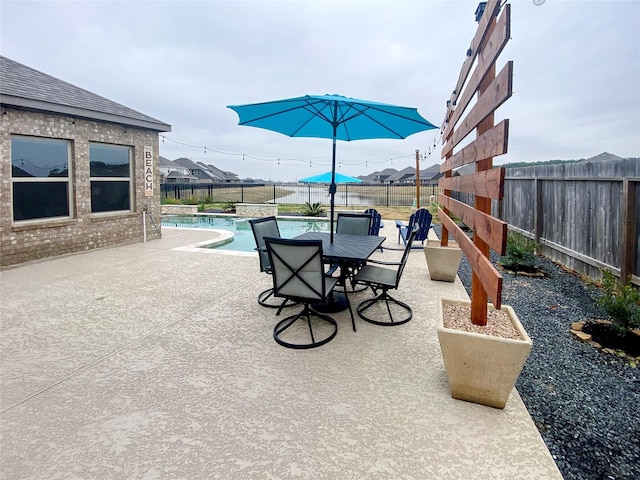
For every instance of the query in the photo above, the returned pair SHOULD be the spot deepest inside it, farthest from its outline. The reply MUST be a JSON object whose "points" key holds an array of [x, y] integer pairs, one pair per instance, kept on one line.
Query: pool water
{"points": [[242, 235]]}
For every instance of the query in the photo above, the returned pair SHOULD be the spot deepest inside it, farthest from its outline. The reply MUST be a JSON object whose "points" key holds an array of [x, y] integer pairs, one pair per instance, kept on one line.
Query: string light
{"points": [[277, 160], [434, 145]]}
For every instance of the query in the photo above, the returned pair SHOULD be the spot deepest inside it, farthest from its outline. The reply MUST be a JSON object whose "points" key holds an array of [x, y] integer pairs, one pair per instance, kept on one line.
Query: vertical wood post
{"points": [[444, 237], [538, 215], [628, 234], [418, 178], [479, 295]]}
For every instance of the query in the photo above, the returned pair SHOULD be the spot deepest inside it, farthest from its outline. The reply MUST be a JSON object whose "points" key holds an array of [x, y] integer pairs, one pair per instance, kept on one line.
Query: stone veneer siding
{"points": [[256, 209], [180, 209], [33, 240]]}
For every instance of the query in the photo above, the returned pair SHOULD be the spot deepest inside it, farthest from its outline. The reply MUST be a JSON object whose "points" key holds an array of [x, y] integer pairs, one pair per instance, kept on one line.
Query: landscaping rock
{"points": [[583, 337], [577, 326]]}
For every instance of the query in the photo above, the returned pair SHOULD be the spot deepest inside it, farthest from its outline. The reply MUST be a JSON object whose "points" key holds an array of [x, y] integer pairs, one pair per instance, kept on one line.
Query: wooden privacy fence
{"points": [[584, 215]]}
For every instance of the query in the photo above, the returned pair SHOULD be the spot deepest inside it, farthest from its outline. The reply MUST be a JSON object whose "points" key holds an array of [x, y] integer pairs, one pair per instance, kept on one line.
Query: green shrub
{"points": [[170, 201], [229, 207], [621, 302], [521, 252], [314, 210]]}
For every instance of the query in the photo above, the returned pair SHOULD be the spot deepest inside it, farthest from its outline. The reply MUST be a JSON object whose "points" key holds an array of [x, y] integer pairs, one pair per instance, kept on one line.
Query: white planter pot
{"points": [[482, 368], [443, 262]]}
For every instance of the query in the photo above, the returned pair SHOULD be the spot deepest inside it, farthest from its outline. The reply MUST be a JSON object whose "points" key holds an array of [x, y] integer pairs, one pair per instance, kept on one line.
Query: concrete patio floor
{"points": [[152, 361]]}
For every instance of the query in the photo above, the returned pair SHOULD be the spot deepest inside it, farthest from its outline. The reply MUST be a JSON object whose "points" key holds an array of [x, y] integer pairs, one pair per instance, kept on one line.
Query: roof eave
{"points": [[29, 104]]}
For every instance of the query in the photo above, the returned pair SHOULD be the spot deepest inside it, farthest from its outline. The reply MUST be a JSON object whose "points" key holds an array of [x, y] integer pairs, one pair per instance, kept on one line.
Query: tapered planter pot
{"points": [[443, 262], [482, 368]]}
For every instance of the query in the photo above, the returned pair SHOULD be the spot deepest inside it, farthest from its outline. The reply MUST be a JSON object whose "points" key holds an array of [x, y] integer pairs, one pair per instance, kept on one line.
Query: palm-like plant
{"points": [[313, 210]]}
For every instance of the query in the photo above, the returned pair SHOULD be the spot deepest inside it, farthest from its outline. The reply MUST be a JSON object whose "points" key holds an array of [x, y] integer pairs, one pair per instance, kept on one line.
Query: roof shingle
{"points": [[22, 86]]}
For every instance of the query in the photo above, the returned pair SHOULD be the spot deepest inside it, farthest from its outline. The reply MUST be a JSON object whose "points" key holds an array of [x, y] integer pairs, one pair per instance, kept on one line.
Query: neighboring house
{"points": [[207, 173], [381, 177], [78, 170], [366, 178], [603, 157], [406, 175], [201, 174], [225, 177], [172, 172], [428, 176]]}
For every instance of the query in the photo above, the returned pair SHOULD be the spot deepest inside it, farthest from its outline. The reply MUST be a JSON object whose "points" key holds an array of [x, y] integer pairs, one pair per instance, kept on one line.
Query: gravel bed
{"points": [[585, 403]]}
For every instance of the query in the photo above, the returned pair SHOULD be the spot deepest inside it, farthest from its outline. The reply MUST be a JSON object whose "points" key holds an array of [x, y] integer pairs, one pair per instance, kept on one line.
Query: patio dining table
{"points": [[345, 250]]}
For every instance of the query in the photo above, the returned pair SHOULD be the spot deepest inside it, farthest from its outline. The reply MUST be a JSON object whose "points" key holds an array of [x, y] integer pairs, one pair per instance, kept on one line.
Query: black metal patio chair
{"points": [[353, 224], [383, 279], [297, 268], [266, 227]]}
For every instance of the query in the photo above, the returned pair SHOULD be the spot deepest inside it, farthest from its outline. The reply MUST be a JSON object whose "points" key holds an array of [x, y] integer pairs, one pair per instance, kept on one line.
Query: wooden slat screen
{"points": [[486, 183]]}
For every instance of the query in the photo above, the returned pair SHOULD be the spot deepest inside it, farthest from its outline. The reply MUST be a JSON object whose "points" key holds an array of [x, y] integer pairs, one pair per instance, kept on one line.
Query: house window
{"points": [[40, 178], [110, 171]]}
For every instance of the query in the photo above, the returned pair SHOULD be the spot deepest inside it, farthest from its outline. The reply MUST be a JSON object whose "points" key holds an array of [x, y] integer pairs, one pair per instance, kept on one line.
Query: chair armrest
{"points": [[332, 270], [400, 225], [380, 262]]}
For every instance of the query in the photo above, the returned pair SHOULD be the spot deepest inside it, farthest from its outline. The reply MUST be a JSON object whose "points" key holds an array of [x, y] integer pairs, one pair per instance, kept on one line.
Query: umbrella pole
{"points": [[332, 187]]}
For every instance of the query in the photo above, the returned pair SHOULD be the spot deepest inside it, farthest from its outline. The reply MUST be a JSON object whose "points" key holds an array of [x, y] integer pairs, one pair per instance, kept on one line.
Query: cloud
{"points": [[576, 72]]}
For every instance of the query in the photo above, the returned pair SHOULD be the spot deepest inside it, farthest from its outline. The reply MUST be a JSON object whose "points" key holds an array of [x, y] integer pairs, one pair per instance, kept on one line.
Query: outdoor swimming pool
{"points": [[242, 240]]}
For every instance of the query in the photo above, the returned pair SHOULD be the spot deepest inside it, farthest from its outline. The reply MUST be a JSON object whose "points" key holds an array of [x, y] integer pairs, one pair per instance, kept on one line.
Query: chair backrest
{"points": [[353, 223], [376, 220], [421, 217], [407, 249], [297, 269], [264, 227]]}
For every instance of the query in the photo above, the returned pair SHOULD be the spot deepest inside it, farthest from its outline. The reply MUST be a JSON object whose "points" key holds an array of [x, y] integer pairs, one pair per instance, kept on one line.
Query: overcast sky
{"points": [[576, 72]]}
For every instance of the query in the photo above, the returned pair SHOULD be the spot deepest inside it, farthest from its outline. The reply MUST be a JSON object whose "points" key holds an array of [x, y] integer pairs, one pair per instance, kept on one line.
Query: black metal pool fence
{"points": [[392, 195]]}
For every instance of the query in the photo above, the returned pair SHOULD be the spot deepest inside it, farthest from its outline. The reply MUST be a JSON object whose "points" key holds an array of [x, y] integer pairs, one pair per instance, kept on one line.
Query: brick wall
{"points": [[26, 241]]}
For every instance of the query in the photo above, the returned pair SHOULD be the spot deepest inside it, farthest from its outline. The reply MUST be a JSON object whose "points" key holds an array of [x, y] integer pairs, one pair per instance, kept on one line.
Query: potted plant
{"points": [[482, 362], [443, 261]]}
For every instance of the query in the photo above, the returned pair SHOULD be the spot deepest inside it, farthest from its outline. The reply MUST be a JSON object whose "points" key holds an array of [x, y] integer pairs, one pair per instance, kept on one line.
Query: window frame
{"points": [[49, 179], [129, 179]]}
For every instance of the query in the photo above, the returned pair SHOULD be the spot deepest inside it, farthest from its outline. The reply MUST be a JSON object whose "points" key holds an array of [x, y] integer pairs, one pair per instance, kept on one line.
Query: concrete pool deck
{"points": [[155, 361]]}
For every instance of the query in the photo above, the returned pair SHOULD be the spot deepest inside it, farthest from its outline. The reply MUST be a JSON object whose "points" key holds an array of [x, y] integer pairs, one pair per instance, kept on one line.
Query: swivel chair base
{"points": [[264, 297], [306, 314], [387, 299]]}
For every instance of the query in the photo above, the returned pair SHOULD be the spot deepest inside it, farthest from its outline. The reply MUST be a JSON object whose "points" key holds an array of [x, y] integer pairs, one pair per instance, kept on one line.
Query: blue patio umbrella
{"points": [[335, 117], [328, 176]]}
